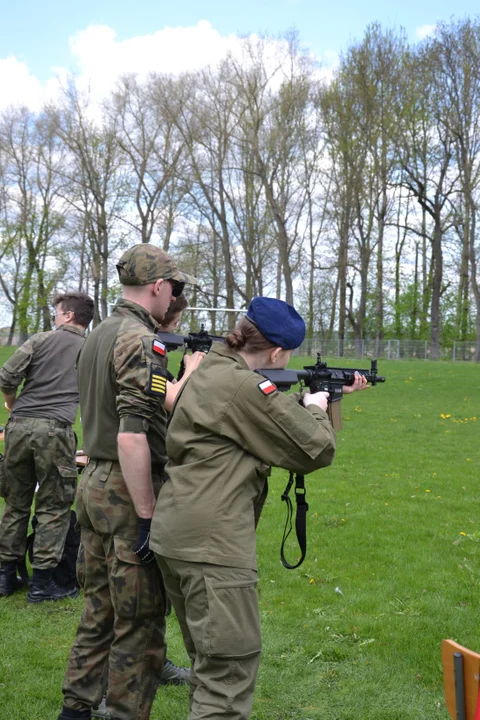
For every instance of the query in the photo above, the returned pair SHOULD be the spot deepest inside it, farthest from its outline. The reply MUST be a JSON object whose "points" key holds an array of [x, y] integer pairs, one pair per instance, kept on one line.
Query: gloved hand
{"points": [[141, 547]]}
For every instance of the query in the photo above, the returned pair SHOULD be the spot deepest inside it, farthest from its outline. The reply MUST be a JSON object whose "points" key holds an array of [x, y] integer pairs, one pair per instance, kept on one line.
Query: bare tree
{"points": [[97, 186]]}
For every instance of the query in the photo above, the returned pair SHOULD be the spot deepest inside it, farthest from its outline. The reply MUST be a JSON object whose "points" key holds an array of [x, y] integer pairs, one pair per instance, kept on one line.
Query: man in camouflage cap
{"points": [[123, 397], [143, 264]]}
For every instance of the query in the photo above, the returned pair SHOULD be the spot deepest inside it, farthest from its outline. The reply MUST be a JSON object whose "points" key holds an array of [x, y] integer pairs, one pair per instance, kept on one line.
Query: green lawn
{"points": [[392, 568]]}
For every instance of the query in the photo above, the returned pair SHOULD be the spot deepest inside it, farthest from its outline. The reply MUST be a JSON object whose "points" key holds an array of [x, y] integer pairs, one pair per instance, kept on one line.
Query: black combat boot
{"points": [[68, 714], [174, 675], [9, 582], [44, 587]]}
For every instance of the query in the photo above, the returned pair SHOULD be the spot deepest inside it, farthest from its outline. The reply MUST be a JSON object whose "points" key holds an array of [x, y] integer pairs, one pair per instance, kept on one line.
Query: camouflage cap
{"points": [[143, 264]]}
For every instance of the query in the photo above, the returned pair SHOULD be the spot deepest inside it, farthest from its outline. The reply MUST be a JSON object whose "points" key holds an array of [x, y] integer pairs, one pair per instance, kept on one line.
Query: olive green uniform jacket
{"points": [[224, 435]]}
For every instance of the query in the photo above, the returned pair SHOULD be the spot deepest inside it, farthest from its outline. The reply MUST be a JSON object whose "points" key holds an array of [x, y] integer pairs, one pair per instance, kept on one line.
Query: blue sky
{"points": [[37, 32], [38, 35]]}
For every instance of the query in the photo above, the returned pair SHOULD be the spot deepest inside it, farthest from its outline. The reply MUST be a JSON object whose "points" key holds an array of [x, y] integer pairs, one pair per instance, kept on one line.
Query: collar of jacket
{"points": [[127, 307], [225, 351], [72, 328]]}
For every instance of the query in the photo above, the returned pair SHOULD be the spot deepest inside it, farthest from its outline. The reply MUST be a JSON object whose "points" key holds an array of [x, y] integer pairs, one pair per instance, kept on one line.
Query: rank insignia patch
{"points": [[267, 387], [157, 384], [159, 348]]}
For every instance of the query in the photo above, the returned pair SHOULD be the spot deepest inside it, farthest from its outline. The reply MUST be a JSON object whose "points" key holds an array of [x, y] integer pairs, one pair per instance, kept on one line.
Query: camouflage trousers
{"points": [[37, 451], [120, 640], [217, 609]]}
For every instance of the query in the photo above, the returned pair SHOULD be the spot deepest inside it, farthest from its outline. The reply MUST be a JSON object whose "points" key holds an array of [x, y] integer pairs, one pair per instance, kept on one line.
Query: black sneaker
{"points": [[50, 591], [9, 582], [174, 675]]}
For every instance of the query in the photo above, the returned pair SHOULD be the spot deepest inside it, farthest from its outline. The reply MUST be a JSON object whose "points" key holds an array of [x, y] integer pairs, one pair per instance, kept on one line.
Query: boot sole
{"points": [[72, 595]]}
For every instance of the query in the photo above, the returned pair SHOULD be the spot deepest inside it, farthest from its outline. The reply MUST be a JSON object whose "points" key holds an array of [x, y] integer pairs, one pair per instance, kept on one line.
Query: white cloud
{"points": [[98, 58], [18, 86], [101, 58], [424, 31]]}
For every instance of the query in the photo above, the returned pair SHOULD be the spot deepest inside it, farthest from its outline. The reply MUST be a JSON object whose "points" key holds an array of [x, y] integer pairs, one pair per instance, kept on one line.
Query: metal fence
{"points": [[386, 349]]}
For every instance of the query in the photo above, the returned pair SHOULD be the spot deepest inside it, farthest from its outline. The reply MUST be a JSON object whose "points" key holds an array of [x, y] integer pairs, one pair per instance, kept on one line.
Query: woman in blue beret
{"points": [[229, 426]]}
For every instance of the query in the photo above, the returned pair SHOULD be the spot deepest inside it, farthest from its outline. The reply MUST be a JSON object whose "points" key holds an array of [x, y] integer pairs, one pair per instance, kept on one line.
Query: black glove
{"points": [[141, 547]]}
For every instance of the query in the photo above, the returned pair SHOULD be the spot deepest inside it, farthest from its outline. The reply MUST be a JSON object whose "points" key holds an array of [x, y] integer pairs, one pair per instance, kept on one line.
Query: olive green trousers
{"points": [[217, 609]]}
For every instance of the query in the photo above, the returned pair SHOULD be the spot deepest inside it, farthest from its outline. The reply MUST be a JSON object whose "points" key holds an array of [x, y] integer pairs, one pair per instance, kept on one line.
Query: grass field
{"points": [[392, 568]]}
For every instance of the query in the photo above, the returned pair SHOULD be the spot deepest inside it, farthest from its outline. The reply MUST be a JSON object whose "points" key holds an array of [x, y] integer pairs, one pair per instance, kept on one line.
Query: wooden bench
{"points": [[461, 681], [81, 459]]}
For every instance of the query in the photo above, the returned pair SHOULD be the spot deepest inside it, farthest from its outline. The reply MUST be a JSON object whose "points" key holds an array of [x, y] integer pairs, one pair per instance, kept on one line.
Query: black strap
{"points": [[300, 519]]}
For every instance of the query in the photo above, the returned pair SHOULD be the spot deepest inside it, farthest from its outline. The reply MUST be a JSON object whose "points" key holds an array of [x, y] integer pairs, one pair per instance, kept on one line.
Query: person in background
{"points": [[229, 426], [40, 447], [123, 393]]}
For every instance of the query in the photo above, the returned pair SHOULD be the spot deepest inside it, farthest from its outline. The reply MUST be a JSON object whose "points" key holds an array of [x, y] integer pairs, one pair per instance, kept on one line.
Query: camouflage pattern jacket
{"points": [[122, 381]]}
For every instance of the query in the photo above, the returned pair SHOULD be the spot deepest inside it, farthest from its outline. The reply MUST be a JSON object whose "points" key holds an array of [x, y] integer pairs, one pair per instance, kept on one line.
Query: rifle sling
{"points": [[300, 519]]}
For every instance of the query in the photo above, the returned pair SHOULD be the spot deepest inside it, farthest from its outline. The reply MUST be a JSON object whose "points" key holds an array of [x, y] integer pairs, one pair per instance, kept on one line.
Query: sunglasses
{"points": [[177, 287], [54, 314]]}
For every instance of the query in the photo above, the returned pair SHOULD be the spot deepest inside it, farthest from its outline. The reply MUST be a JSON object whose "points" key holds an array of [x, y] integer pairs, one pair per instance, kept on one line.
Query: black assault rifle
{"points": [[318, 377]]}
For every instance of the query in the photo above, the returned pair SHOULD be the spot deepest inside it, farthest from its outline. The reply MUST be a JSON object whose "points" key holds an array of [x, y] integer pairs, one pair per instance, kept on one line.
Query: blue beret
{"points": [[278, 322]]}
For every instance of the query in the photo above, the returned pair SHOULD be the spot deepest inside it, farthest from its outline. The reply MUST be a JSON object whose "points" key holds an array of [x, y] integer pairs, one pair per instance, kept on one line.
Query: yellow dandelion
{"points": [[428, 491], [311, 581], [463, 534]]}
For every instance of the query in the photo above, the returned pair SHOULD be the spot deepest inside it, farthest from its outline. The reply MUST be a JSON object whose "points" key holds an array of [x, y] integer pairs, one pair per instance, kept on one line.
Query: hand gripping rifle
{"points": [[196, 342], [318, 377]]}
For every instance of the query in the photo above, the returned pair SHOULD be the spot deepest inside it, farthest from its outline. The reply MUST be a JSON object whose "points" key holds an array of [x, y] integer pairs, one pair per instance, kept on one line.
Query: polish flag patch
{"points": [[158, 347], [267, 387]]}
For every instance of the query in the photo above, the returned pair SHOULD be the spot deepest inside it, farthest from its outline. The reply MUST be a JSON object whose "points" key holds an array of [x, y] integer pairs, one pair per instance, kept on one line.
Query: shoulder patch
{"points": [[157, 382], [267, 387], [159, 348]]}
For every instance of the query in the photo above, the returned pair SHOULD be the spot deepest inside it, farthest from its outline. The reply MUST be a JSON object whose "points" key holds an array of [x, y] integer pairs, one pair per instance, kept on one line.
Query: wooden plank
{"points": [[81, 459], [471, 671]]}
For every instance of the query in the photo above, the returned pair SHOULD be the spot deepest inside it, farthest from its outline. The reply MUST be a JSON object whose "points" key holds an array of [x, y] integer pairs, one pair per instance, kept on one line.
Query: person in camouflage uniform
{"points": [[40, 447], [123, 394]]}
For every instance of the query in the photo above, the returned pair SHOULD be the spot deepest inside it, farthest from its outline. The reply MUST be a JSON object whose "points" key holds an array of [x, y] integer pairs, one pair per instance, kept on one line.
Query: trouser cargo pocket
{"points": [[233, 625]]}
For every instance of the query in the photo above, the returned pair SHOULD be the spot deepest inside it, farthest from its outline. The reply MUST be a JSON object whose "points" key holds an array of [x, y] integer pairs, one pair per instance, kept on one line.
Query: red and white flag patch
{"points": [[267, 387], [159, 348]]}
